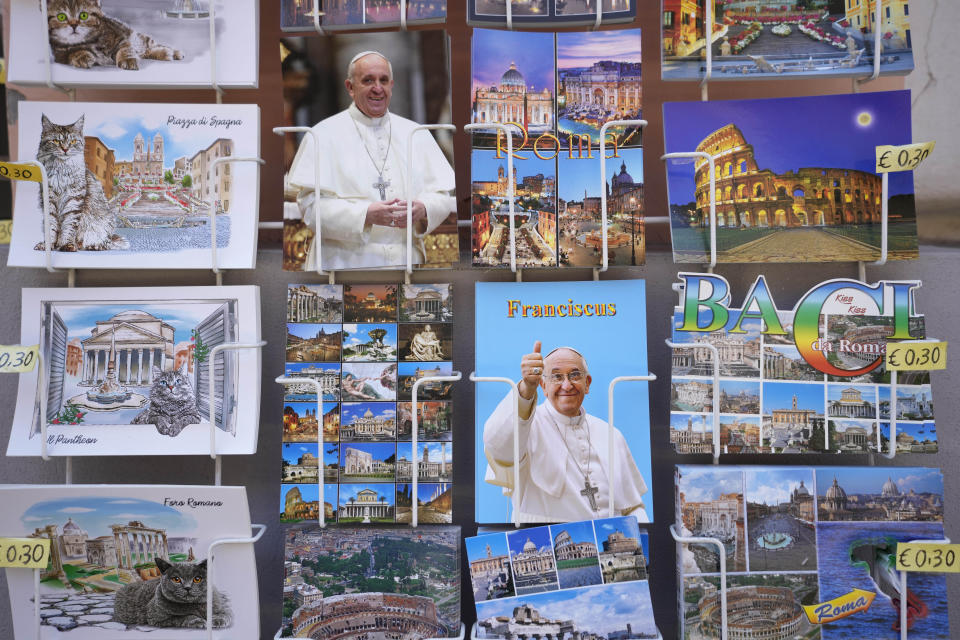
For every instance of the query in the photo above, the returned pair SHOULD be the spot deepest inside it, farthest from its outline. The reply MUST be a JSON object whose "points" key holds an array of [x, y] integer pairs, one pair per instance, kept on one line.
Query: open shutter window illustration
{"points": [[217, 328], [55, 362]]}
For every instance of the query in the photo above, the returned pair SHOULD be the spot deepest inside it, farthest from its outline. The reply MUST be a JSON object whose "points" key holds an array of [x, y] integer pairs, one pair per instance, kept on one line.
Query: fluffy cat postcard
{"points": [[132, 186], [131, 561], [126, 371], [146, 43]]}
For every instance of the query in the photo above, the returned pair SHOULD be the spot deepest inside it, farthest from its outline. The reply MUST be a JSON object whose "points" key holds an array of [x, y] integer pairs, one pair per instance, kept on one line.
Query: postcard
{"points": [[147, 179], [565, 576], [557, 92], [126, 371], [779, 198], [568, 340], [366, 346], [784, 39], [808, 380], [805, 541], [131, 561], [389, 577], [297, 15], [373, 160], [549, 13], [140, 43]]}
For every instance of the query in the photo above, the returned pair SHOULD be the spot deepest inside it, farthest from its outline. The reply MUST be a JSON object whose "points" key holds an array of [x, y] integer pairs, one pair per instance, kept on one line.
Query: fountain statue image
{"points": [[109, 394], [187, 10]]}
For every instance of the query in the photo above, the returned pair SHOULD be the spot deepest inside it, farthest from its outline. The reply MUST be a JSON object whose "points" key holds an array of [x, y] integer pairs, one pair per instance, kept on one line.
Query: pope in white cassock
{"points": [[563, 450], [363, 173]]}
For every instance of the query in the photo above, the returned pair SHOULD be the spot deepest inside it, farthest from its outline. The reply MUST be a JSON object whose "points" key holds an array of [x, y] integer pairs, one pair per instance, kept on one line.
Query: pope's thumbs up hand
{"points": [[531, 371]]}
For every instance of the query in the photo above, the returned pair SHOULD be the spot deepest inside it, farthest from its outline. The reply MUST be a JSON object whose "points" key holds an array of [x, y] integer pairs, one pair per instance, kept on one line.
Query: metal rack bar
{"points": [[510, 182], [603, 172], [408, 187], [713, 196], [612, 466], [403, 19], [321, 516], [723, 570], [903, 587], [708, 44], [212, 6], [884, 217], [515, 399], [716, 391], [877, 45], [892, 453], [415, 466], [316, 13], [261, 528], [211, 360]]}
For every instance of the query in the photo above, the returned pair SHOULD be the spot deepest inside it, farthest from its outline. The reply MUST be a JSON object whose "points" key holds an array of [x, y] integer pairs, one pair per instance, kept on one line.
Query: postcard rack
{"points": [[414, 436], [681, 540], [514, 402], [211, 377], [215, 167], [318, 389]]}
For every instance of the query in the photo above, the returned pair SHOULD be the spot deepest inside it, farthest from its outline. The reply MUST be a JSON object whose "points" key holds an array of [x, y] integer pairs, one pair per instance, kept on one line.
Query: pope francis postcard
{"points": [[561, 344]]}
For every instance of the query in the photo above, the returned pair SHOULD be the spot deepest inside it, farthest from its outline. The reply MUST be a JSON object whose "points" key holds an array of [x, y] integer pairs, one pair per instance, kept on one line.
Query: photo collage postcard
{"points": [[802, 542], [124, 43], [367, 345], [132, 562], [588, 578], [581, 335], [781, 195], [556, 91], [373, 160], [386, 579], [154, 176], [127, 371], [809, 380], [298, 15], [539, 14], [785, 38]]}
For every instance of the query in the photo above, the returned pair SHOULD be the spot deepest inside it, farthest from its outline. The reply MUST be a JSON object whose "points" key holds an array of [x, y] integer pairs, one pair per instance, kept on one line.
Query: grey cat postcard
{"points": [[138, 186], [361, 582], [126, 371], [143, 43], [133, 561]]}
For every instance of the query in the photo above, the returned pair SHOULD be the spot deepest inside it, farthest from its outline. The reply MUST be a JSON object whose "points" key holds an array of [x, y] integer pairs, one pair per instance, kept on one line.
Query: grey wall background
{"points": [[939, 268]]}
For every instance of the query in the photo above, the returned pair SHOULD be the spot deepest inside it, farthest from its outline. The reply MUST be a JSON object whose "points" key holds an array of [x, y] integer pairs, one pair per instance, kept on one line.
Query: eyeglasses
{"points": [[574, 377]]}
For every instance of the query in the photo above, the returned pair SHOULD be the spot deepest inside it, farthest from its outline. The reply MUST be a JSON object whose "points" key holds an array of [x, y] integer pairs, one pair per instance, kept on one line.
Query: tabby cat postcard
{"points": [[127, 371], [133, 561], [138, 186], [143, 43]]}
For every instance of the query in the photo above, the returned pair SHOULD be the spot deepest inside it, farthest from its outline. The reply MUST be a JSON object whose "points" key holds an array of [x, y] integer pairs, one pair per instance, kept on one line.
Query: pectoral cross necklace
{"points": [[589, 491], [380, 184]]}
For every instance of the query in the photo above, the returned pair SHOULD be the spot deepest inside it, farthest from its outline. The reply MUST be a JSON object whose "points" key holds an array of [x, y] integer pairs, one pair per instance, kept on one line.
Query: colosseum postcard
{"points": [[539, 14], [778, 38], [383, 580], [297, 15], [127, 372], [167, 43], [809, 380], [115, 548], [558, 92], [802, 542], [153, 186], [794, 179], [366, 346]]}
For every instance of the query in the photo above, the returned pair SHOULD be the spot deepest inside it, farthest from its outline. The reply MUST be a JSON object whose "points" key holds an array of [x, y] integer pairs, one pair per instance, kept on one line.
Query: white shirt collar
{"points": [[562, 420], [363, 118]]}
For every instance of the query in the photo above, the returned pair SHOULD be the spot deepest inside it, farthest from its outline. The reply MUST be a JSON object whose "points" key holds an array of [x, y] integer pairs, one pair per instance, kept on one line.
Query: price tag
{"points": [[916, 356], [6, 230], [931, 558], [18, 359], [24, 553], [905, 158], [16, 171]]}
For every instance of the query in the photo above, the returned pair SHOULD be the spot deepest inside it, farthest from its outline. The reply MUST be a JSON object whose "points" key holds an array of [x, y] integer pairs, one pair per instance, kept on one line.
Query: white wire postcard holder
{"points": [[514, 403], [215, 167], [414, 437], [722, 554], [716, 391], [598, 20], [640, 124], [318, 389], [211, 378], [612, 466], [711, 161], [904, 635], [502, 128]]}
